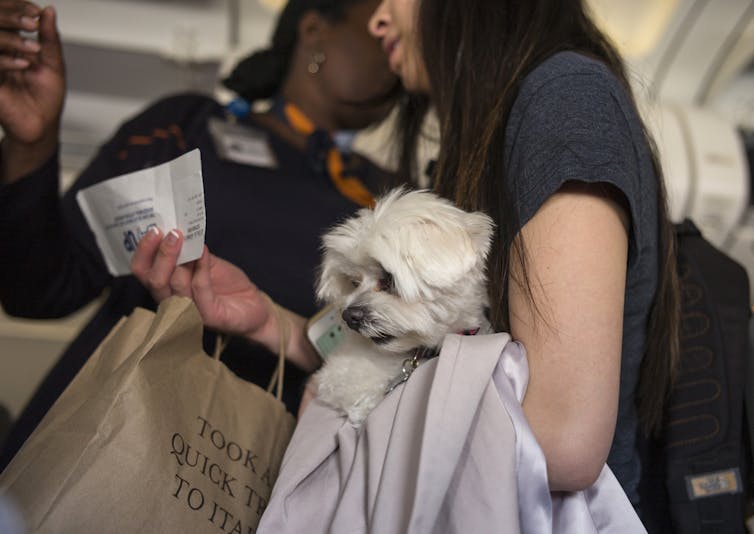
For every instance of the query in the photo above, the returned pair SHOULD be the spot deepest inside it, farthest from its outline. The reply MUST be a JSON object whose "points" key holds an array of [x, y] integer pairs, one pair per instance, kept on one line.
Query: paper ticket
{"points": [[121, 210]]}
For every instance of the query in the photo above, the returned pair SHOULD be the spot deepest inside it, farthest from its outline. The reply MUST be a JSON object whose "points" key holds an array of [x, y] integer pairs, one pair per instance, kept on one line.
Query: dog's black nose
{"points": [[353, 316]]}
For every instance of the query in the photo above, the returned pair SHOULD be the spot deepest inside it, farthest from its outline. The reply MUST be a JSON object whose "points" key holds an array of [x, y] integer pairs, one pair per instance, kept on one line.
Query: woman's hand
{"points": [[225, 297], [32, 87]]}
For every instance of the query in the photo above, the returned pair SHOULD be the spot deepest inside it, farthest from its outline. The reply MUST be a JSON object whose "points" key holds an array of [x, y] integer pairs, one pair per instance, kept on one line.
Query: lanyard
{"points": [[349, 186]]}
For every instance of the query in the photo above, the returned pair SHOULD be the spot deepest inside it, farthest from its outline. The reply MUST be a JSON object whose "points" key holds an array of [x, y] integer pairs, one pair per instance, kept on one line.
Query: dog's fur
{"points": [[403, 275]]}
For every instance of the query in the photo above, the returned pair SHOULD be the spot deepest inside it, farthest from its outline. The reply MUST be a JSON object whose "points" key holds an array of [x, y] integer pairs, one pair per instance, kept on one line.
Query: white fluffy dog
{"points": [[403, 275]]}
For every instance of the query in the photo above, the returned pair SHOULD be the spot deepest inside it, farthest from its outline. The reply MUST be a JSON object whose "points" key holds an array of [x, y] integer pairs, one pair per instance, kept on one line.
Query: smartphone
{"points": [[325, 331]]}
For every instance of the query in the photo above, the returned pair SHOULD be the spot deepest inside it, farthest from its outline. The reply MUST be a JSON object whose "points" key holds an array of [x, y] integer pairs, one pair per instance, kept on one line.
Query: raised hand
{"points": [[32, 86]]}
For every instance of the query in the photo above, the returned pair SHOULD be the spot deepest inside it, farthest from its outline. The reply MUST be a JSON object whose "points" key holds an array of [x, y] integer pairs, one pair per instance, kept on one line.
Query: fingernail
{"points": [[31, 45], [172, 238], [153, 232], [29, 23]]}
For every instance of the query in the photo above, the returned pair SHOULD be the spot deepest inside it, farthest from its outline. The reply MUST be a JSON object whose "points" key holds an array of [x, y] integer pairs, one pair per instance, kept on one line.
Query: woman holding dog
{"points": [[321, 65], [538, 129]]}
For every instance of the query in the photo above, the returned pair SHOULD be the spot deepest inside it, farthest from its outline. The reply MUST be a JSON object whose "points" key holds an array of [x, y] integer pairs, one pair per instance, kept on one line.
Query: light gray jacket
{"points": [[449, 451]]}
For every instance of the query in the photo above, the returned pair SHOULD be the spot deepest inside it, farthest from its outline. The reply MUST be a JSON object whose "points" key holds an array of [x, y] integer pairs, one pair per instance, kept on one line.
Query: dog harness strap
{"points": [[349, 186]]}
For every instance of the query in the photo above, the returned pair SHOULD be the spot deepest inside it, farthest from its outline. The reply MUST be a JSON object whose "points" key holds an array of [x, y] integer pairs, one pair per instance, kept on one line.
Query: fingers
{"points": [[201, 284], [180, 280], [154, 265], [18, 51], [164, 265], [18, 15], [51, 49], [144, 255]]}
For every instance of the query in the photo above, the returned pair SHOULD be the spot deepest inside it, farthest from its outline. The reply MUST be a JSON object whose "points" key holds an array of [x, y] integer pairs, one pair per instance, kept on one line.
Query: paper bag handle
{"points": [[283, 336], [221, 341], [277, 376]]}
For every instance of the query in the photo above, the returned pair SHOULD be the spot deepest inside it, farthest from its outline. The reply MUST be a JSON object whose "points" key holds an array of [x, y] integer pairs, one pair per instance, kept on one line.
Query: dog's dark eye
{"points": [[387, 283], [355, 282]]}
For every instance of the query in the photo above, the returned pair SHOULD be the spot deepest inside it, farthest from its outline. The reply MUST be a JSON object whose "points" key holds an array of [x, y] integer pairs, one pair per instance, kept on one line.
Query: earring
{"points": [[318, 58]]}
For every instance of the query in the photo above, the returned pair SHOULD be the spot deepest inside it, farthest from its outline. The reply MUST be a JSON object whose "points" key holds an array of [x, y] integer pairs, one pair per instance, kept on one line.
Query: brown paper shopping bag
{"points": [[152, 436]]}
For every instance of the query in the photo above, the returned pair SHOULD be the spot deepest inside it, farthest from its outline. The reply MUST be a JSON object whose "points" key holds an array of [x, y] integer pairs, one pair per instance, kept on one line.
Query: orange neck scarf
{"points": [[349, 186]]}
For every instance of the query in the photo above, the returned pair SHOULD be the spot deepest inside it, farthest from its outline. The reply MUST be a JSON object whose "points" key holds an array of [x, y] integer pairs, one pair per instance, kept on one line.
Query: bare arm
{"points": [[576, 253]]}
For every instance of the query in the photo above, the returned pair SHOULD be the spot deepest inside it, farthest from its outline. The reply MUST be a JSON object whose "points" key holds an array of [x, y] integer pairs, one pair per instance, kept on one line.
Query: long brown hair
{"points": [[476, 55]]}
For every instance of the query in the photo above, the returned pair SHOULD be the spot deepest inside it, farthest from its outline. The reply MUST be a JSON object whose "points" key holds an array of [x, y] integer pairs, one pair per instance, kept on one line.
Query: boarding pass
{"points": [[121, 210]]}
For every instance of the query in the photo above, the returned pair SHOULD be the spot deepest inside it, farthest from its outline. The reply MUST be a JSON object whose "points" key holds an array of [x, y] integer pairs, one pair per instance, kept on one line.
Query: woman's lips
{"points": [[389, 47]]}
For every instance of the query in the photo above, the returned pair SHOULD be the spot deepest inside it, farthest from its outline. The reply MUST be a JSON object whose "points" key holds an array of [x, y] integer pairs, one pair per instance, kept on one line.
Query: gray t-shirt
{"points": [[573, 120]]}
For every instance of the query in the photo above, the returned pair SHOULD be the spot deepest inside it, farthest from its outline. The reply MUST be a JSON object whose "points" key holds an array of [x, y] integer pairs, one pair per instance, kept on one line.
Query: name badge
{"points": [[242, 144]]}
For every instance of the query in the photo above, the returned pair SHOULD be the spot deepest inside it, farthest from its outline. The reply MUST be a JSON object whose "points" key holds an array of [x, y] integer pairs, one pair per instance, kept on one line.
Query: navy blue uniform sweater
{"points": [[266, 221]]}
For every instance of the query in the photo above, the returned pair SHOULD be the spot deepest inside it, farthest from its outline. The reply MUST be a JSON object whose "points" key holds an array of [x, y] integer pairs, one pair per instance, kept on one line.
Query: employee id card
{"points": [[242, 144], [121, 210]]}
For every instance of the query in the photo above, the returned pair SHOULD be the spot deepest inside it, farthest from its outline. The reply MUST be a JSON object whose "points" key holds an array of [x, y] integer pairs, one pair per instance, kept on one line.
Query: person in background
{"points": [[538, 128], [323, 74]]}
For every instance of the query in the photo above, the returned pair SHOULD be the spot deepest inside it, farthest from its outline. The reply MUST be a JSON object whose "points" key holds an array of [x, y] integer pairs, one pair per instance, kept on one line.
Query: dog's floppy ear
{"points": [[339, 245], [480, 229], [329, 283], [435, 243], [452, 250]]}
